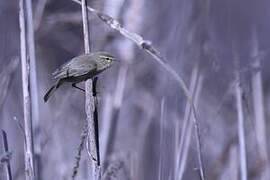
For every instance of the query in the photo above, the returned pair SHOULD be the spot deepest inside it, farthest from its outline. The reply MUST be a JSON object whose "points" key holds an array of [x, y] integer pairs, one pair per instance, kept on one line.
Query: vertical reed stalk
{"points": [[162, 139], [33, 87], [28, 144], [258, 104], [90, 105], [6, 150], [240, 118]]}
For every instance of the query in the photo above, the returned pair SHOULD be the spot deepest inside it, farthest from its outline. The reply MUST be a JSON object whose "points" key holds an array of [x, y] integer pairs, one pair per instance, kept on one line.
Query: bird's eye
{"points": [[108, 59]]}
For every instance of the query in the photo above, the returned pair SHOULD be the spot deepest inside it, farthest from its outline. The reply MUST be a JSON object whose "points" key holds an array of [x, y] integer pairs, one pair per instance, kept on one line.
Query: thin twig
{"points": [[28, 145], [8, 155]]}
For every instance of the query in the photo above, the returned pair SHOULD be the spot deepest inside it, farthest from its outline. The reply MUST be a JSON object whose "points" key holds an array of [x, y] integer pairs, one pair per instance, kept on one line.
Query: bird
{"points": [[79, 69]]}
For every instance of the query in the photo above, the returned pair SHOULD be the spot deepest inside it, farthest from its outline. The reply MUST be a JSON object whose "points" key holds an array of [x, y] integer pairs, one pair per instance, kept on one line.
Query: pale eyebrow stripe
{"points": [[106, 57]]}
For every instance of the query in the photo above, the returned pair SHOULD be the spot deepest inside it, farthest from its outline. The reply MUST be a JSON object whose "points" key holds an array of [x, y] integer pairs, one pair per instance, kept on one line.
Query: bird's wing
{"points": [[74, 68]]}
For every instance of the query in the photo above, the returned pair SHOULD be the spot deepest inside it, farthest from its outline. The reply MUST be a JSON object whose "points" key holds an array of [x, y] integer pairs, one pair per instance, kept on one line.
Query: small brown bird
{"points": [[80, 69]]}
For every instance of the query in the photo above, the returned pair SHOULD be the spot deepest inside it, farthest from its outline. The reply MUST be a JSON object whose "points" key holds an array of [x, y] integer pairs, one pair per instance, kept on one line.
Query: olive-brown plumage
{"points": [[80, 69]]}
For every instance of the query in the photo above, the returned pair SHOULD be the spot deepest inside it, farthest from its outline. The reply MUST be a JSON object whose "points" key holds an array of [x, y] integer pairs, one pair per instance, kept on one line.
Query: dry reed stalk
{"points": [[162, 139], [32, 67], [196, 86], [186, 122], [33, 87], [90, 105], [28, 144], [258, 104], [240, 119], [8, 155]]}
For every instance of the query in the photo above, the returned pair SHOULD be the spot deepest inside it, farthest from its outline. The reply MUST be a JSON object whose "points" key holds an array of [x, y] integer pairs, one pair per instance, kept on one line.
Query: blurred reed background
{"points": [[146, 129]]}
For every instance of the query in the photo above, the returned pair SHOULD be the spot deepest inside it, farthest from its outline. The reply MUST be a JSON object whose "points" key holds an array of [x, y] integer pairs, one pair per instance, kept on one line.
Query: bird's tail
{"points": [[51, 91]]}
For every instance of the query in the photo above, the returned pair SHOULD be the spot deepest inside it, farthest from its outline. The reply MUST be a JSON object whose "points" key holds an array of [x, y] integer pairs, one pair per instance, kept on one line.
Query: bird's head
{"points": [[106, 57], [104, 60]]}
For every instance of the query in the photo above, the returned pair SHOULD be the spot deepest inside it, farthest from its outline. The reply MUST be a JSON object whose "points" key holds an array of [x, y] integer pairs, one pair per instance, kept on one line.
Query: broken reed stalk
{"points": [[7, 160], [90, 102], [148, 47], [28, 144], [240, 118]]}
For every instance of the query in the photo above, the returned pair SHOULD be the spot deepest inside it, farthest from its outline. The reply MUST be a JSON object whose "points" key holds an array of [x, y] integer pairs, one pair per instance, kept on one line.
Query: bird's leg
{"points": [[95, 93], [95, 90], [74, 85]]}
